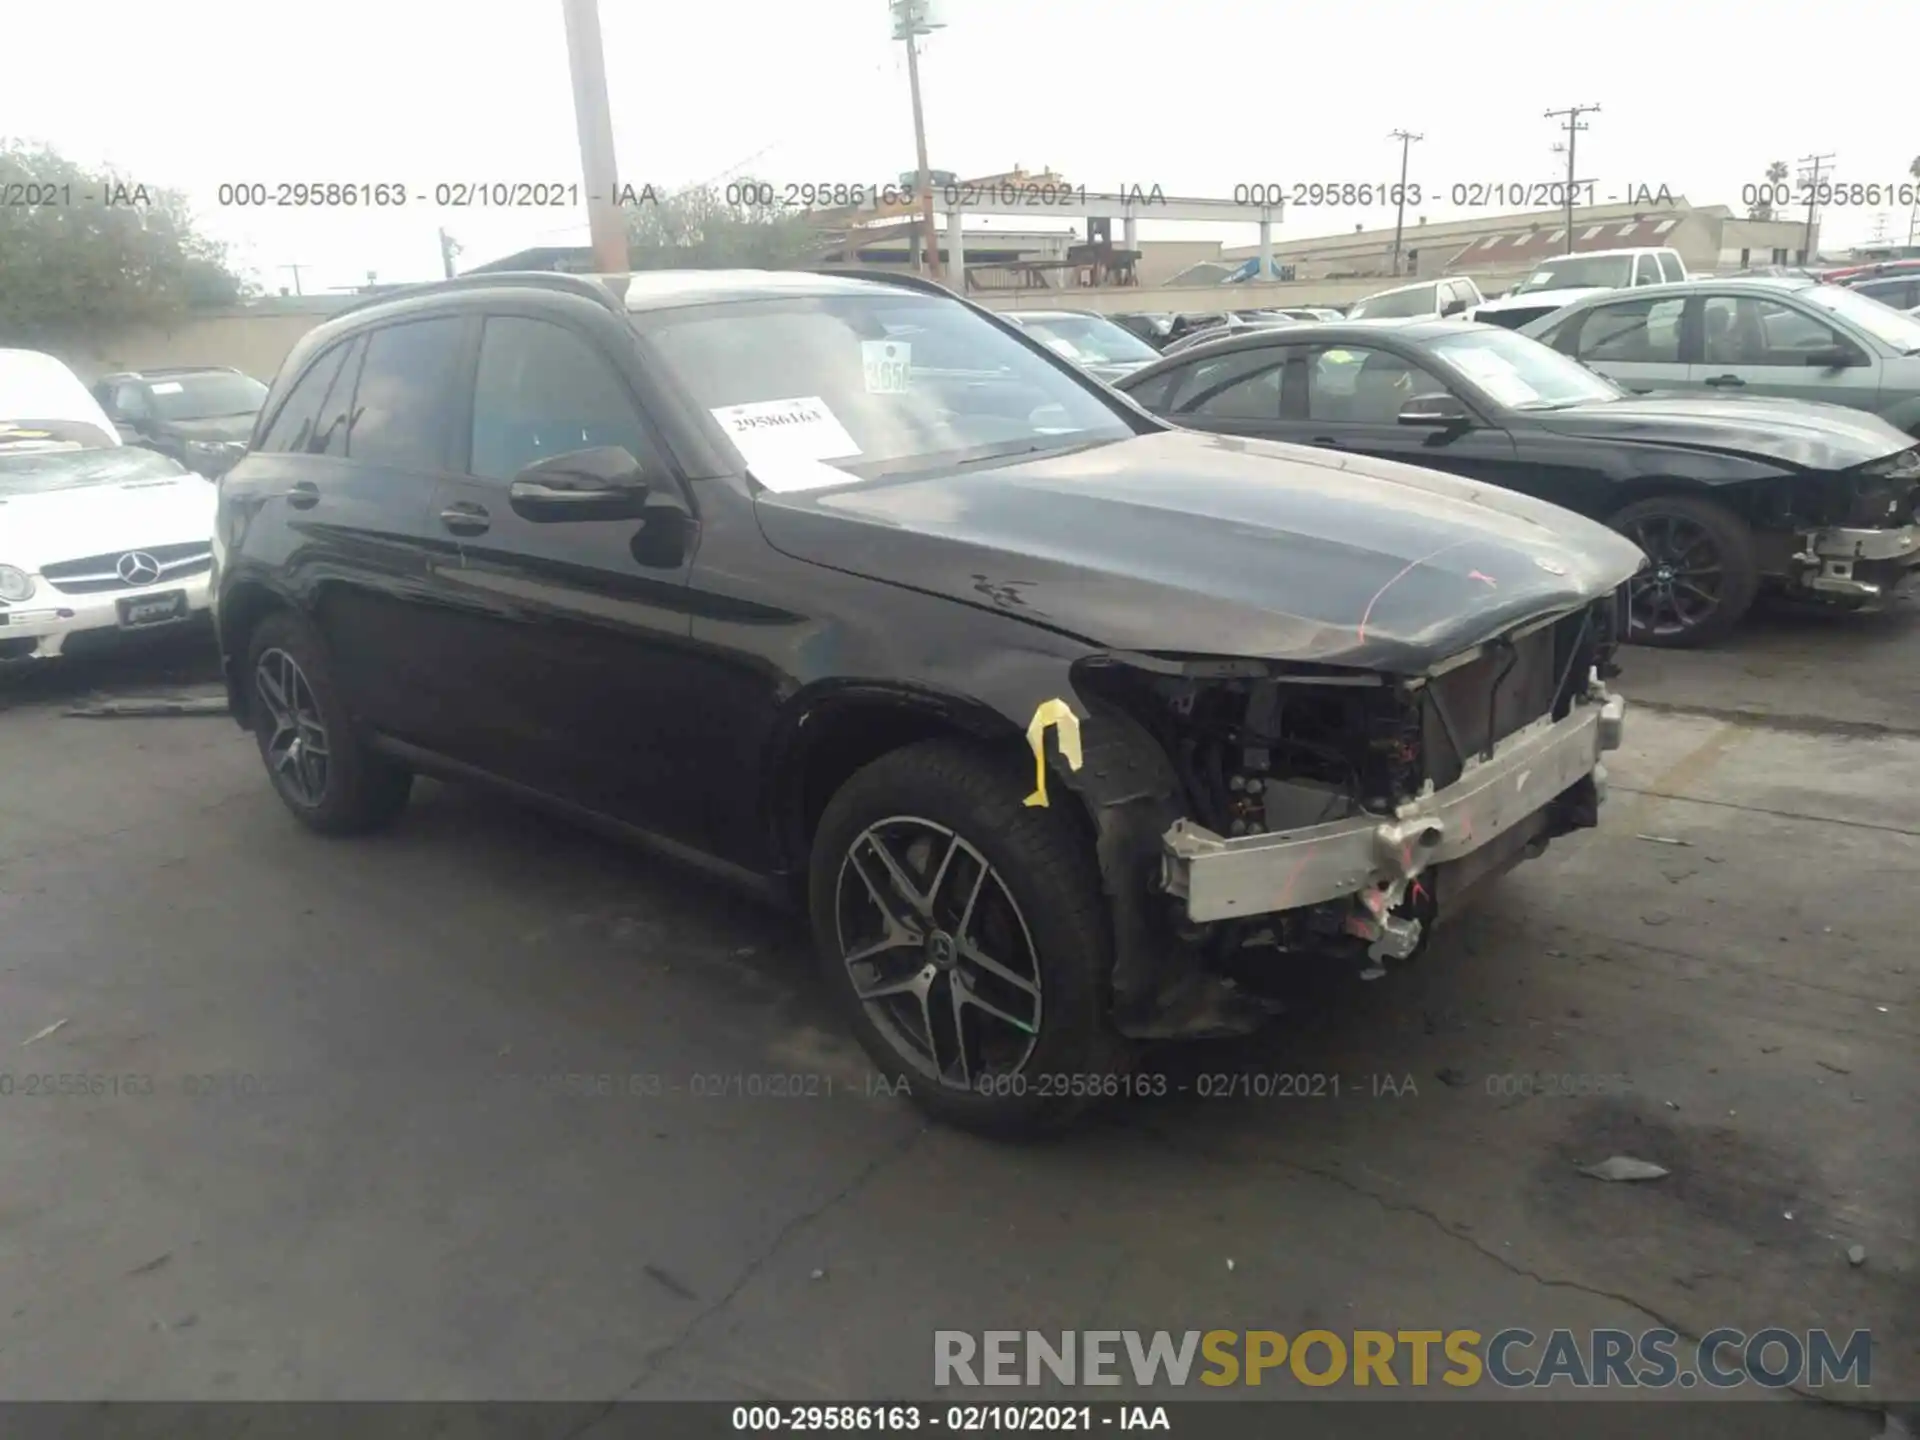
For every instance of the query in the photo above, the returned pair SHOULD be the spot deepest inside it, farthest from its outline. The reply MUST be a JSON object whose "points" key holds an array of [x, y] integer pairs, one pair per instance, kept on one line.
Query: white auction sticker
{"points": [[784, 476], [888, 365], [798, 429], [166, 387]]}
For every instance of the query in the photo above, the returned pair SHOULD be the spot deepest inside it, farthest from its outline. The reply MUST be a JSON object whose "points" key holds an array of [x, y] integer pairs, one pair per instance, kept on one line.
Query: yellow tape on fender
{"points": [[1053, 714]]}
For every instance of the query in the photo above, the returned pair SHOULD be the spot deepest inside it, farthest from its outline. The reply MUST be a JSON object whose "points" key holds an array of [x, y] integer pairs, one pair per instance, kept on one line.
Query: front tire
{"points": [[1702, 577], [967, 940], [321, 770]]}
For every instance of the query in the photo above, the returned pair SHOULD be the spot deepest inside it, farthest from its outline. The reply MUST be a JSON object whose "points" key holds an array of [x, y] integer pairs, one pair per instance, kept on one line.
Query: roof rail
{"points": [[586, 286], [886, 277]]}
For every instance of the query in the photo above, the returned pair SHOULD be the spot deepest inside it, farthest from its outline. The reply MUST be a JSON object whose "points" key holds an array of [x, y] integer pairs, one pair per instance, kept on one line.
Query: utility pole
{"points": [[594, 118], [1573, 125], [296, 269], [912, 18], [449, 247], [1406, 139], [1812, 181]]}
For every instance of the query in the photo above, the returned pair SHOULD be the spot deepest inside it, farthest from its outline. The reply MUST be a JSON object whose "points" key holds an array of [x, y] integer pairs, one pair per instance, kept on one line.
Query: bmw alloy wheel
{"points": [[938, 952], [1684, 583], [297, 749]]}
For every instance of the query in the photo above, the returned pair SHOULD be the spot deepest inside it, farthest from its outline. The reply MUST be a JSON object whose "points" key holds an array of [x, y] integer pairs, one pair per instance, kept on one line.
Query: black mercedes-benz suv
{"points": [[1061, 723]]}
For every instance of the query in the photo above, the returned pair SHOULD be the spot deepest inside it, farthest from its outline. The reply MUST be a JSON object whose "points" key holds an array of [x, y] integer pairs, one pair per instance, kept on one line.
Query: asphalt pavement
{"points": [[340, 1165]]}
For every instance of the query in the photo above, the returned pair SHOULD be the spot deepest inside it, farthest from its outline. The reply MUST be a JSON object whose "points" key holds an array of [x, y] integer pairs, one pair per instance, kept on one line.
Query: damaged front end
{"points": [[1250, 809], [1851, 538]]}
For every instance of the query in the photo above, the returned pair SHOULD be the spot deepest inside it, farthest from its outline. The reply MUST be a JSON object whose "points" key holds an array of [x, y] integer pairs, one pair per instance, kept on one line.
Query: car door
{"points": [[1769, 345], [564, 641], [1634, 341], [361, 465], [1345, 396]]}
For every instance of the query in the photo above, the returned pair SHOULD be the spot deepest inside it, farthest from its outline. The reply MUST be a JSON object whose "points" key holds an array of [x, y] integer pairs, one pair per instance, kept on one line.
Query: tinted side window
{"points": [[330, 426], [1152, 395], [1747, 330], [1230, 387], [1642, 332], [400, 405], [131, 400], [1888, 292], [543, 390], [1670, 266], [1646, 270], [293, 426], [1349, 385]]}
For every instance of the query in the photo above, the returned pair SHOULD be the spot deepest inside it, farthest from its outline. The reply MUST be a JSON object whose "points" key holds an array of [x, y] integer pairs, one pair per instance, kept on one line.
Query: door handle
{"points": [[1325, 442], [464, 518], [303, 495], [1725, 382]]}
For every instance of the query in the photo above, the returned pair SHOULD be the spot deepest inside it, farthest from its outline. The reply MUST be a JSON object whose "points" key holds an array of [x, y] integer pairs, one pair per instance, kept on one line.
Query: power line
{"points": [[1813, 198], [1406, 139], [1572, 124]]}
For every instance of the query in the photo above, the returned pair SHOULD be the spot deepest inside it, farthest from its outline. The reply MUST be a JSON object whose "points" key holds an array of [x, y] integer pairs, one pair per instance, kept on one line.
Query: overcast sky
{"points": [[1195, 96]]}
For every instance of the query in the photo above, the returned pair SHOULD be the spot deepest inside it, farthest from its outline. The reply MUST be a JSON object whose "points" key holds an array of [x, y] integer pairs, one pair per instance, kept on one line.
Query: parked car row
{"points": [[793, 576], [1726, 497]]}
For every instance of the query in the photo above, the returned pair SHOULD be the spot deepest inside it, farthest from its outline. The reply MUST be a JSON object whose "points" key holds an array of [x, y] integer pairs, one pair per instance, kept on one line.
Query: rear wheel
{"points": [[966, 937], [1701, 577], [322, 771]]}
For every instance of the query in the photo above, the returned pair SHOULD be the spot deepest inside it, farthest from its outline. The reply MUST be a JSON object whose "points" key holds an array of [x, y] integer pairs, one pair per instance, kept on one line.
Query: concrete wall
{"points": [[255, 339]]}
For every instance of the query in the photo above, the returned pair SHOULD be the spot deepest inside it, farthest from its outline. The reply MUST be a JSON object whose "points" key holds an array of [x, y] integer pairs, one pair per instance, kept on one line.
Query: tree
{"points": [[94, 248], [1762, 208], [706, 228]]}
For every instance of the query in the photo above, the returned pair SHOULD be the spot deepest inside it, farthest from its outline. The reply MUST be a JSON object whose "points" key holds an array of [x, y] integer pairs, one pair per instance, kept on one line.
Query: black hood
{"points": [[1214, 545], [1805, 434], [214, 429]]}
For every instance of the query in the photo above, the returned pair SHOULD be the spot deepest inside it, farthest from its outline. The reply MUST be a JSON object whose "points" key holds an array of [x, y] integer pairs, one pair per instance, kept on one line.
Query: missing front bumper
{"points": [[1859, 564], [1222, 879]]}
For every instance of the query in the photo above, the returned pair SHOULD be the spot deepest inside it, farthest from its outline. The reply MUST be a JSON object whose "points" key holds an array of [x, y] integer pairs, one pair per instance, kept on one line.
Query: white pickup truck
{"points": [[1566, 278]]}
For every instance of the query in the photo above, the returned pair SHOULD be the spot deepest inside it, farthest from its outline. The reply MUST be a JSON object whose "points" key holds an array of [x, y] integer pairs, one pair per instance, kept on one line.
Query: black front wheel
{"points": [[1701, 575], [966, 937]]}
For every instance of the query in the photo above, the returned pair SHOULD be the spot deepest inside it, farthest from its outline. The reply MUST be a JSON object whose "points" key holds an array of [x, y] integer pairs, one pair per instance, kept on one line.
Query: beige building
{"points": [[1500, 249]]}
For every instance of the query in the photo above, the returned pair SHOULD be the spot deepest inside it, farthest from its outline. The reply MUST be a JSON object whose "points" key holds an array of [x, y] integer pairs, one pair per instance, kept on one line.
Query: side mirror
{"points": [[1836, 357], [605, 483], [1436, 411]]}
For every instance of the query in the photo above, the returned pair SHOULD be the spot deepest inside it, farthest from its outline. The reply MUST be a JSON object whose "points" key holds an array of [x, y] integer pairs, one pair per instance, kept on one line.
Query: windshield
{"points": [[1089, 339], [206, 397], [817, 390], [33, 437], [1397, 304], [1881, 321], [1615, 272], [24, 471], [1522, 374]]}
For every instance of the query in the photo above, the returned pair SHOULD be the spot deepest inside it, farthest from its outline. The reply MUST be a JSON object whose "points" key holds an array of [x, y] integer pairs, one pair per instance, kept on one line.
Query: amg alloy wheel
{"points": [[937, 950], [321, 769], [967, 938], [1701, 576], [296, 748]]}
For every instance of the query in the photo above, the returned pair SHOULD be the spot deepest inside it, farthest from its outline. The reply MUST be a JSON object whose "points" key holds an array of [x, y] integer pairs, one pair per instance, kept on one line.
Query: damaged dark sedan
{"points": [[1066, 726], [1727, 497]]}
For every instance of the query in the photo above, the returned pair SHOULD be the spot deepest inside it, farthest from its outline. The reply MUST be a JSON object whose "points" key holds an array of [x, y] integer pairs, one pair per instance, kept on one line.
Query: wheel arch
{"points": [[829, 733], [243, 605]]}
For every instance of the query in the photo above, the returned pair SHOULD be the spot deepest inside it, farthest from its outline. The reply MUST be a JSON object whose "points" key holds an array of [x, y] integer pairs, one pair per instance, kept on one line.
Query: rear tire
{"points": [[1702, 577], [320, 768], [987, 954]]}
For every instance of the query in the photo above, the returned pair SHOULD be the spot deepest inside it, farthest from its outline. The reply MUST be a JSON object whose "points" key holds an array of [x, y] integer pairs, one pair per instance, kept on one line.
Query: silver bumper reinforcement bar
{"points": [[1222, 879]]}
